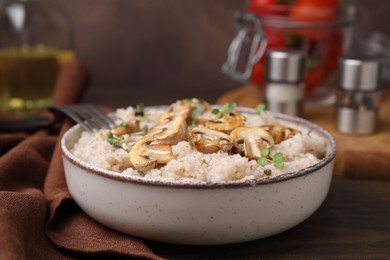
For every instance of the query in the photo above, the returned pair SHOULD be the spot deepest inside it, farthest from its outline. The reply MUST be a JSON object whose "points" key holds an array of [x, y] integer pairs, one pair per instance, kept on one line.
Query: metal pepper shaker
{"points": [[358, 95], [284, 82]]}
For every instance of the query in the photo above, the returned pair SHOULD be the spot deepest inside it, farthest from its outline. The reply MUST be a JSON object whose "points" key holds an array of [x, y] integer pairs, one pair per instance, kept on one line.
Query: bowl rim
{"points": [[207, 185]]}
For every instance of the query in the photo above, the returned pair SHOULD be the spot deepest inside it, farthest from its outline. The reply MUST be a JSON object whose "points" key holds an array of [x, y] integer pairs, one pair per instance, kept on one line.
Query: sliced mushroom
{"points": [[199, 108], [195, 102], [126, 128], [183, 109], [206, 140], [201, 120], [170, 132], [227, 123], [146, 154], [280, 133], [250, 141]]}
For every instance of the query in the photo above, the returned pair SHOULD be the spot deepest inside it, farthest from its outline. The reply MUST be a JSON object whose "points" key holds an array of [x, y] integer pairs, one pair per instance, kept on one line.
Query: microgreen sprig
{"points": [[124, 124], [140, 110], [227, 109], [277, 159], [117, 142], [260, 108], [262, 160], [216, 112]]}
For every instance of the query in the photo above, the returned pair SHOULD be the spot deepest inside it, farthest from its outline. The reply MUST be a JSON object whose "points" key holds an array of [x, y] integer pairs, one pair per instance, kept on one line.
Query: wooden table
{"points": [[363, 157], [352, 223]]}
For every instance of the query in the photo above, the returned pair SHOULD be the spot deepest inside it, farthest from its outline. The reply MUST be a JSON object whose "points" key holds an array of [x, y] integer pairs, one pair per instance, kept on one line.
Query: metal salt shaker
{"points": [[358, 95], [284, 82]]}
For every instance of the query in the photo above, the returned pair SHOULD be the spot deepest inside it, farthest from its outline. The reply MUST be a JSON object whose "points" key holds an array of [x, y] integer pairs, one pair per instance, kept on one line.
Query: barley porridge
{"points": [[193, 141]]}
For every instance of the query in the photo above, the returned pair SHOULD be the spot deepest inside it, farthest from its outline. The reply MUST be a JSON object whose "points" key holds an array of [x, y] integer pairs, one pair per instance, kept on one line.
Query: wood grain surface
{"points": [[364, 157], [352, 223]]}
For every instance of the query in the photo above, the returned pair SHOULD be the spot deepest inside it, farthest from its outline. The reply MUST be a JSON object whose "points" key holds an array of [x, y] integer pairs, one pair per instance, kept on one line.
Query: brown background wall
{"points": [[161, 51]]}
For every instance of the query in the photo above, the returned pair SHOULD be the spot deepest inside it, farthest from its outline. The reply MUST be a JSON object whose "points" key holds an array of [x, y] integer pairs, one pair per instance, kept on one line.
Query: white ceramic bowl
{"points": [[200, 214]]}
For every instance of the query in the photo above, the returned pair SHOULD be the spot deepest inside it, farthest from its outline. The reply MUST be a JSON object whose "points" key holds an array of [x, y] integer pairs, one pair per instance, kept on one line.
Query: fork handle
{"points": [[25, 125]]}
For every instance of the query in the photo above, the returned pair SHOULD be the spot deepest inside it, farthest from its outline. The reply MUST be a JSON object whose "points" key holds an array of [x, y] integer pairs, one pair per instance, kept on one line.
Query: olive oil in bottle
{"points": [[28, 76], [36, 39]]}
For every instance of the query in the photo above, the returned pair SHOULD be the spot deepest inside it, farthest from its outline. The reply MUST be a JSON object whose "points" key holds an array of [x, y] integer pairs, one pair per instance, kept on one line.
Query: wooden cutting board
{"points": [[363, 157]]}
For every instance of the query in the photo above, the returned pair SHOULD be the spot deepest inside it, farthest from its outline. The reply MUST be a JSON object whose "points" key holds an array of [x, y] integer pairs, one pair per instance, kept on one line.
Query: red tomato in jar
{"points": [[335, 51], [321, 2], [314, 11], [276, 38], [269, 7], [257, 76], [313, 78]]}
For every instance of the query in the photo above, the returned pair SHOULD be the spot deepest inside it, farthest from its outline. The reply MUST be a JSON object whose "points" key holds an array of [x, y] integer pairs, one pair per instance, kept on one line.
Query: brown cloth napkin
{"points": [[38, 218]]}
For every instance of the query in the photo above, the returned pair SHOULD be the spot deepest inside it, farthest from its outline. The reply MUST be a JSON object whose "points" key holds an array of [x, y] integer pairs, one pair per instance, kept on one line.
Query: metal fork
{"points": [[88, 116]]}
